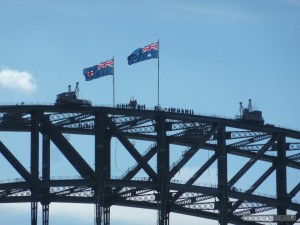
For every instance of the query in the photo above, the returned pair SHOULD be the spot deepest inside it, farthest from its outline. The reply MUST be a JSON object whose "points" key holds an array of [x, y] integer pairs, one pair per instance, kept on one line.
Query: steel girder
{"points": [[158, 190]]}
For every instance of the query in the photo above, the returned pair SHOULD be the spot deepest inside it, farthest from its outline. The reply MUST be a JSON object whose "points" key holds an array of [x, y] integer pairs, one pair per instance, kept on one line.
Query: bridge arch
{"points": [[163, 131]]}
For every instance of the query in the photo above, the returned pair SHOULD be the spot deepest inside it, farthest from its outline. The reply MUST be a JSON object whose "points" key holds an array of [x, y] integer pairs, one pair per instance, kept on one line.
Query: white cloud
{"points": [[14, 79]]}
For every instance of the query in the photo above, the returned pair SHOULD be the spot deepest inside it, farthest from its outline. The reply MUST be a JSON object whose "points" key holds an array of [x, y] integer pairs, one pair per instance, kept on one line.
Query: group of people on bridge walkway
{"points": [[134, 105]]}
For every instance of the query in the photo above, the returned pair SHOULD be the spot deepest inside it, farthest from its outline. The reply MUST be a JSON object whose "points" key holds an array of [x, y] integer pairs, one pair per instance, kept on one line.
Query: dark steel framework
{"points": [[278, 147]]}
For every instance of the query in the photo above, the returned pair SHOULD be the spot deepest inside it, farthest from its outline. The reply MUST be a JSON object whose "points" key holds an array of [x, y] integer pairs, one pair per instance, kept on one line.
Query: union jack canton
{"points": [[148, 52], [100, 70], [103, 65]]}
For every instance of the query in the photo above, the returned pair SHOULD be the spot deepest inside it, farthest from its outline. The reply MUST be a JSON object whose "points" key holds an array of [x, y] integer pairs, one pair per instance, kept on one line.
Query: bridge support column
{"points": [[34, 164], [222, 176], [102, 168], [46, 177], [102, 215], [281, 180], [34, 210], [163, 161], [46, 214]]}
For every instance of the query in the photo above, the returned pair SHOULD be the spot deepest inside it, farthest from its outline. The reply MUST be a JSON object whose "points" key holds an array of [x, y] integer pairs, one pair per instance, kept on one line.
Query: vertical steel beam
{"points": [[46, 214], [281, 180], [46, 158], [34, 163], [102, 170], [97, 208], [222, 176], [34, 145], [99, 148], [106, 215], [163, 161], [46, 177], [34, 207]]}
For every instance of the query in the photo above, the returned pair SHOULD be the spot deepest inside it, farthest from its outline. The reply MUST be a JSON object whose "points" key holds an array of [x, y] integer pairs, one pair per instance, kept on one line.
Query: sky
{"points": [[213, 55]]}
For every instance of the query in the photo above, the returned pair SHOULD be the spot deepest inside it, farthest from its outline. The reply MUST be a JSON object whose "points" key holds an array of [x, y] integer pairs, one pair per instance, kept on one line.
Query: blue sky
{"points": [[213, 54]]}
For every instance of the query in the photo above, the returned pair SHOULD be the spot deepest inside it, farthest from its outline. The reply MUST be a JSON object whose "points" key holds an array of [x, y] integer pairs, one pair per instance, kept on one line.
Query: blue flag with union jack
{"points": [[100, 70], [145, 53]]}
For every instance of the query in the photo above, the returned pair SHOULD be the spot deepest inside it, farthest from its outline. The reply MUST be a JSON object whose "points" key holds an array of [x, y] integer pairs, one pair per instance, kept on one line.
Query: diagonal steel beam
{"points": [[67, 149], [196, 175], [294, 157], [294, 191], [265, 158], [192, 151], [15, 163], [251, 162], [132, 123], [242, 134], [138, 167], [255, 185], [251, 140], [131, 149], [288, 147], [202, 170]]}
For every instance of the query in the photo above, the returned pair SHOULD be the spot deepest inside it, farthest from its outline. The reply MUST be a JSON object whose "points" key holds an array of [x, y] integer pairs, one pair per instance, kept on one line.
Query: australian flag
{"points": [[145, 53], [100, 70]]}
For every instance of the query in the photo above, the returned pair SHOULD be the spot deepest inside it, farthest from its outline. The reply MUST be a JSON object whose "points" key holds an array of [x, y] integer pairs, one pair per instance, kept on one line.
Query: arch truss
{"points": [[162, 132]]}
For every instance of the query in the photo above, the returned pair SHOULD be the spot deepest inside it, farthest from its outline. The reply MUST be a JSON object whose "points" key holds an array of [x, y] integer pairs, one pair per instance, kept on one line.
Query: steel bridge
{"points": [[164, 130]]}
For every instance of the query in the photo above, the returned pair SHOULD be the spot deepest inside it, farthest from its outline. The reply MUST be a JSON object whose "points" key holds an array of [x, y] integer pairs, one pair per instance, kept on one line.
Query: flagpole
{"points": [[114, 82], [158, 77]]}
